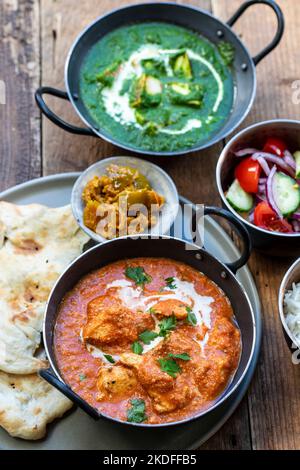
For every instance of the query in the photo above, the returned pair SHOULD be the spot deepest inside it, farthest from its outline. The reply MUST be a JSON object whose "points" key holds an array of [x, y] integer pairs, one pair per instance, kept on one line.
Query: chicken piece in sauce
{"points": [[221, 358], [167, 393], [167, 308], [110, 323], [115, 382]]}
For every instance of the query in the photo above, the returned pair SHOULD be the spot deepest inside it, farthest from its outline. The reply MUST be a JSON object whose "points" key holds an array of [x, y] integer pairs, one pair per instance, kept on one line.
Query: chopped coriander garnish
{"points": [[182, 356], [169, 366], [109, 358], [170, 283], [138, 275], [191, 317], [147, 336], [166, 325], [82, 377], [137, 348], [136, 414]]}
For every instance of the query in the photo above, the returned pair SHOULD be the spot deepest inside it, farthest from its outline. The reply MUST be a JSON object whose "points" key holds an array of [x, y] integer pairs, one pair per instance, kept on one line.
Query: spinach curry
{"points": [[157, 86]]}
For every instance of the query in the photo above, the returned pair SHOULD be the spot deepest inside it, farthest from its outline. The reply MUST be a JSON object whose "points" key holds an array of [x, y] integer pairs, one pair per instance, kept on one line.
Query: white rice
{"points": [[291, 308]]}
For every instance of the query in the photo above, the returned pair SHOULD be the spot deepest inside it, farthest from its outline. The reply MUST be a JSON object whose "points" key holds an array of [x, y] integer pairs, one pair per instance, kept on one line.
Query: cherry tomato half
{"points": [[275, 146], [247, 173], [265, 217]]}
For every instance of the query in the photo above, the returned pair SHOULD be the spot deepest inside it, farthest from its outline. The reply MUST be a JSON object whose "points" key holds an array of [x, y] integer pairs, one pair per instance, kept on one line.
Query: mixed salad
{"points": [[266, 188]]}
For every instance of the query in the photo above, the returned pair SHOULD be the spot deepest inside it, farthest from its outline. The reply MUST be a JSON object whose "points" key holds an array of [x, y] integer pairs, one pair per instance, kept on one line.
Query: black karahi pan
{"points": [[223, 274], [190, 17]]}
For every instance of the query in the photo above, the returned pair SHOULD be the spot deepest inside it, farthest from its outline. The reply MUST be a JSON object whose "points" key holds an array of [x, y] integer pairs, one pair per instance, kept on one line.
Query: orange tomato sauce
{"points": [[103, 313]]}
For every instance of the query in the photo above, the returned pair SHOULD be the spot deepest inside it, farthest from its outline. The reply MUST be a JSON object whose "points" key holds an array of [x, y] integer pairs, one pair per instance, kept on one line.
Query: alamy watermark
{"points": [[295, 354], [117, 220], [296, 92], [2, 92]]}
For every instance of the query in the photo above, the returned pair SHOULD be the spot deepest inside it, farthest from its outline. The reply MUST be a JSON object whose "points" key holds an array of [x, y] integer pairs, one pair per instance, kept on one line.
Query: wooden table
{"points": [[35, 36]]}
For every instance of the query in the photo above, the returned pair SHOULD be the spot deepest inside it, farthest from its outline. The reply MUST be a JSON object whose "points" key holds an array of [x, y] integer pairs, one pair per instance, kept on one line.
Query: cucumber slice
{"points": [[238, 198], [297, 159], [286, 193]]}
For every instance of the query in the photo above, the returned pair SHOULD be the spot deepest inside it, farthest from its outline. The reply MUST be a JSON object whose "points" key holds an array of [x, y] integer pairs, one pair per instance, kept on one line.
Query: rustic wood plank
{"points": [[273, 399], [19, 76], [65, 152], [235, 434]]}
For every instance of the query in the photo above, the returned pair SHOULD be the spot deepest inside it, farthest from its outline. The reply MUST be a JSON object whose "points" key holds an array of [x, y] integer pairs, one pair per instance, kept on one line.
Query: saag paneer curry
{"points": [[157, 86], [147, 340]]}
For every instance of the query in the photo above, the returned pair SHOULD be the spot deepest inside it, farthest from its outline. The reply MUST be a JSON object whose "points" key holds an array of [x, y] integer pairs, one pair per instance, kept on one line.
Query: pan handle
{"points": [[240, 229], [280, 25], [48, 375], [46, 90]]}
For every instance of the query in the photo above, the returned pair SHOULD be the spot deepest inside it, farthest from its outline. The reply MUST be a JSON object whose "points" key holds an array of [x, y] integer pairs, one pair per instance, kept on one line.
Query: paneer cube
{"points": [[154, 67], [146, 91], [153, 86], [182, 66], [190, 94]]}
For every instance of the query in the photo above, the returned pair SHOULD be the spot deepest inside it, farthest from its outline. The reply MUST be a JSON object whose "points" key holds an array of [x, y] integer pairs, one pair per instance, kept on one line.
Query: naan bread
{"points": [[37, 243], [27, 404]]}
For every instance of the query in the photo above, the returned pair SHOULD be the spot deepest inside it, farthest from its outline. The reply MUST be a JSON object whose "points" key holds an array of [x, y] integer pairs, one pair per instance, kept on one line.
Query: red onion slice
{"points": [[273, 159], [270, 193], [264, 165], [244, 152], [296, 216], [251, 217], [261, 194], [260, 198], [296, 226], [289, 159], [261, 188]]}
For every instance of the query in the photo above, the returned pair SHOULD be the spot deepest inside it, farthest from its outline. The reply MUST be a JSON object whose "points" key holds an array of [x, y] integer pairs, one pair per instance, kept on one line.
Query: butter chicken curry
{"points": [[147, 340]]}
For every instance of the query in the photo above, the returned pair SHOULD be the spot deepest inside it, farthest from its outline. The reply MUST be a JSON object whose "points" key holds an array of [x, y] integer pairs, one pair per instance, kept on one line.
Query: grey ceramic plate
{"points": [[79, 431]]}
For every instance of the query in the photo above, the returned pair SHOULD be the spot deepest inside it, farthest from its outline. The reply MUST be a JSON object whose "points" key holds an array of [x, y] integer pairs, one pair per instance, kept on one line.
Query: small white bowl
{"points": [[292, 275], [159, 180]]}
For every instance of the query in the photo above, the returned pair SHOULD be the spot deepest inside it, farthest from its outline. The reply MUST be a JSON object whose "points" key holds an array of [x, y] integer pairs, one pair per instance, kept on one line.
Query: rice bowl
{"points": [[291, 308], [289, 305]]}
